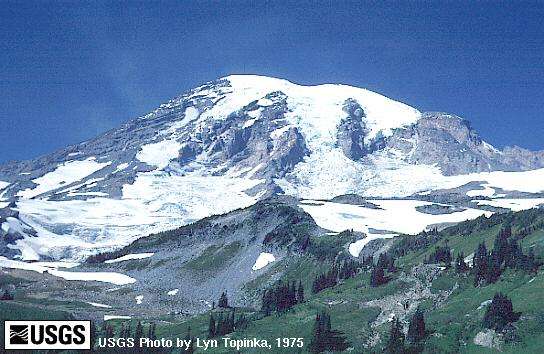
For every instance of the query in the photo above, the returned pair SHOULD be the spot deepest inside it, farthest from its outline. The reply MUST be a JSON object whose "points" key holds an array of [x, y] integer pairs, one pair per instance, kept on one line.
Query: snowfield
{"points": [[513, 204], [106, 277], [398, 216], [66, 173], [156, 201], [317, 109]]}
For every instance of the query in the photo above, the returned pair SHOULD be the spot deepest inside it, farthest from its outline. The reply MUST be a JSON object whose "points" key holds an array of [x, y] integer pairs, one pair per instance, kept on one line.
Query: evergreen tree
{"points": [[499, 313], [480, 264], [223, 300], [211, 327], [151, 331], [281, 297], [300, 293], [395, 344], [460, 265], [7, 295], [377, 276], [241, 323], [416, 327], [190, 349], [324, 338], [493, 267], [267, 302], [108, 330], [326, 280], [292, 295], [138, 333]]}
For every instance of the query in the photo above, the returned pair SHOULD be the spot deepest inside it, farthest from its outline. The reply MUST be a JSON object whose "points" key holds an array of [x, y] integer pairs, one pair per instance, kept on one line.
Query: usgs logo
{"points": [[47, 334]]}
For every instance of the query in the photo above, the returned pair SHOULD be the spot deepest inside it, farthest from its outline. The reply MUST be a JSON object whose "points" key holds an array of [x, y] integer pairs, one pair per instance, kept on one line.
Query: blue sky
{"points": [[71, 70]]}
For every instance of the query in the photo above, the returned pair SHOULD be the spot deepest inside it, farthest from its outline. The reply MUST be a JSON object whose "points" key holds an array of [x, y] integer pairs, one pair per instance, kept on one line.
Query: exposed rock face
{"points": [[351, 131], [450, 142], [11, 230]]}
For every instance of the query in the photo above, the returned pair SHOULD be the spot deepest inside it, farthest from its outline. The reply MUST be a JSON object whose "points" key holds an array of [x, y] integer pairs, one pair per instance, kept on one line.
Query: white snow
{"points": [[173, 292], [191, 114], [263, 260], [116, 317], [107, 277], [159, 154], [88, 194], [139, 299], [155, 202], [66, 173], [160, 200], [385, 175], [318, 109], [3, 185], [56, 265], [486, 192], [13, 226], [264, 102], [121, 167], [279, 132], [130, 257], [394, 215], [248, 123], [513, 204], [96, 304], [356, 247]]}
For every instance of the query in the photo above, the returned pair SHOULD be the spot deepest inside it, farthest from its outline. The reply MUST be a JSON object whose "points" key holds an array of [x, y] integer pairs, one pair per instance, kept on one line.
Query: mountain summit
{"points": [[229, 143]]}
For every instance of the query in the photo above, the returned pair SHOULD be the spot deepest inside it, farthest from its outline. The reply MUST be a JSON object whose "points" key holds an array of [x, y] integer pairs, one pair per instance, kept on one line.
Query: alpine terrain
{"points": [[253, 206]]}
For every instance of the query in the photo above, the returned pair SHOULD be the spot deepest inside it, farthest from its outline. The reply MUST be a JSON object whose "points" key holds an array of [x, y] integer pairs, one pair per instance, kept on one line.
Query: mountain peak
{"points": [[229, 143]]}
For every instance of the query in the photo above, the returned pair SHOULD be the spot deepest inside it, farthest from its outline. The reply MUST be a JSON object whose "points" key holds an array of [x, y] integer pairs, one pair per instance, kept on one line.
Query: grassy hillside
{"points": [[453, 306]]}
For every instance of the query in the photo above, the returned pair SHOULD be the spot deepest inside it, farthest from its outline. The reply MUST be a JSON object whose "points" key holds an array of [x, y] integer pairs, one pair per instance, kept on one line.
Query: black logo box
{"points": [[18, 338]]}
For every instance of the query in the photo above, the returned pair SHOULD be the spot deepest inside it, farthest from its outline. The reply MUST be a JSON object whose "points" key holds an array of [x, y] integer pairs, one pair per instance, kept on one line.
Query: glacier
{"points": [[231, 142]]}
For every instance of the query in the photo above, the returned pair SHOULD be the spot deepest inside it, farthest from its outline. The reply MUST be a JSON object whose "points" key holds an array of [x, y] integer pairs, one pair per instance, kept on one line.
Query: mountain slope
{"points": [[453, 306], [237, 140]]}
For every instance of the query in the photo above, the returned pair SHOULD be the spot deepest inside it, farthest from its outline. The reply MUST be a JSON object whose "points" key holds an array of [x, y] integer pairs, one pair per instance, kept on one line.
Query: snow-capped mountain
{"points": [[239, 139]]}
